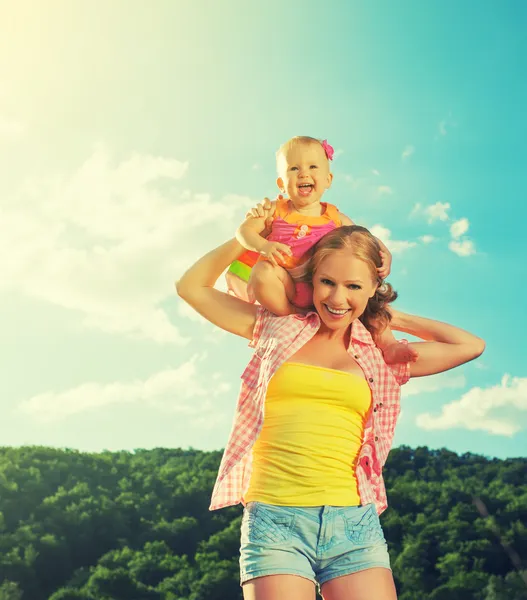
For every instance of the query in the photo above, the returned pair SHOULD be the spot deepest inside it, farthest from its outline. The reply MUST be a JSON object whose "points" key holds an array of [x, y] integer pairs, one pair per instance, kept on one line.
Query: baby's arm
{"points": [[250, 236], [249, 233], [386, 255]]}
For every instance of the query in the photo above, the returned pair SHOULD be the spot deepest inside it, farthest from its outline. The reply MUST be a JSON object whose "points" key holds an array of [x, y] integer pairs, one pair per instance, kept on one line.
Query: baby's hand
{"points": [[260, 210], [275, 252], [386, 266], [263, 209]]}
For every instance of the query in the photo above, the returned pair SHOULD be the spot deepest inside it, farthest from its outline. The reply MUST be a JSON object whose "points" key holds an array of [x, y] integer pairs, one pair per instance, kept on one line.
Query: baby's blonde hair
{"points": [[294, 141]]}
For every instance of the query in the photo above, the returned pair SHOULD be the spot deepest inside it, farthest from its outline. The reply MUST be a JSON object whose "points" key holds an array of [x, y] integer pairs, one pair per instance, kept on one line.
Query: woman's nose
{"points": [[338, 296]]}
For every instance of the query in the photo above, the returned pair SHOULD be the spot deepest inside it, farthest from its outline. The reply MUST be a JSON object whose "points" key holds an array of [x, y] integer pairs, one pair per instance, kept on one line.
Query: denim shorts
{"points": [[318, 543]]}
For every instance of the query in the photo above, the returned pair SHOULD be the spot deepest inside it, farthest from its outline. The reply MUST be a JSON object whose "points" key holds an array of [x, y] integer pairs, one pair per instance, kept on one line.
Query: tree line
{"points": [[136, 526]]}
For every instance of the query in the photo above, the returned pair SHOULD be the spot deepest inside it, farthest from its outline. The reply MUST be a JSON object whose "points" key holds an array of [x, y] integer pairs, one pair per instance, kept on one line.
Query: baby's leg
{"points": [[272, 287], [392, 351]]}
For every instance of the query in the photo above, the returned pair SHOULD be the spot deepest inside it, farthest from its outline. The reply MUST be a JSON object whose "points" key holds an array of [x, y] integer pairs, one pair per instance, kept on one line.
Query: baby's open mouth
{"points": [[304, 189]]}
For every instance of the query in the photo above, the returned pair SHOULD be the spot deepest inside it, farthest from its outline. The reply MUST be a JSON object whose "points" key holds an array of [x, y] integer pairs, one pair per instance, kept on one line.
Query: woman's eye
{"points": [[313, 167], [326, 282], [293, 169], [354, 286]]}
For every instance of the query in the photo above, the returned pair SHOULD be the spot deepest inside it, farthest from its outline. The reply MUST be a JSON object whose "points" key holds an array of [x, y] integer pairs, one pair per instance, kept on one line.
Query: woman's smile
{"points": [[336, 312]]}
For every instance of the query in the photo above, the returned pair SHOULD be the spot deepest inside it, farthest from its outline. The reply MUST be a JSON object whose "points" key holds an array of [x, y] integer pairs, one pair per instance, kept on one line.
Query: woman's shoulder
{"points": [[280, 328], [397, 374]]}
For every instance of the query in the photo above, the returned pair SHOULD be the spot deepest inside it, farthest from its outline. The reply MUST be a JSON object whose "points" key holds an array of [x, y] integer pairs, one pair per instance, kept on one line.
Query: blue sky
{"points": [[133, 138]]}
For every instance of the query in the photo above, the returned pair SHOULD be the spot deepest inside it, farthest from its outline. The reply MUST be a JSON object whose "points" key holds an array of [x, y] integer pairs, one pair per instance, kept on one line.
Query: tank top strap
{"points": [[334, 214], [282, 209]]}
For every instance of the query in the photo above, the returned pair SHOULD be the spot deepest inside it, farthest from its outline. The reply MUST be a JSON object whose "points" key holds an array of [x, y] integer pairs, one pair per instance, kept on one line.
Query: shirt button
{"points": [[356, 356], [376, 439], [370, 379], [374, 410]]}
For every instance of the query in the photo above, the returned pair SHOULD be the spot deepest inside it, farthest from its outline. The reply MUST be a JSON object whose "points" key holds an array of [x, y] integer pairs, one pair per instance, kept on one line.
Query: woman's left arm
{"points": [[445, 347]]}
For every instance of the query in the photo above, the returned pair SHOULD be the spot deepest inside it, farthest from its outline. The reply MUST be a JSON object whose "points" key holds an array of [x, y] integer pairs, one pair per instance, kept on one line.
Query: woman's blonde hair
{"points": [[363, 245]]}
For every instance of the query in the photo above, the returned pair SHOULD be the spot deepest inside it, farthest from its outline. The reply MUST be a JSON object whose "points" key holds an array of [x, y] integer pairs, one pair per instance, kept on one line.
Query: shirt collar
{"points": [[359, 333]]}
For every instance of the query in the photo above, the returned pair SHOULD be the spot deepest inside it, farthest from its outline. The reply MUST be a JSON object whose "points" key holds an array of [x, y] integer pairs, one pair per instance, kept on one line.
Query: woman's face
{"points": [[342, 286]]}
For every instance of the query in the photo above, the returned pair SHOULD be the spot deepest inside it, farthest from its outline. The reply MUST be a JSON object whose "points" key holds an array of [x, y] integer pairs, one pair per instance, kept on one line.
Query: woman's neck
{"points": [[337, 335]]}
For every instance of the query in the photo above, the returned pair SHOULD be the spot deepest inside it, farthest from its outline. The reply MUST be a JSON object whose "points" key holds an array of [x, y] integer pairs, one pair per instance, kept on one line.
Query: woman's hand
{"points": [[264, 210]]}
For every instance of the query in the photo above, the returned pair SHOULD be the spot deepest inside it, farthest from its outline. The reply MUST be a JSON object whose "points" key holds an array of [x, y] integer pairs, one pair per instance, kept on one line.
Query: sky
{"points": [[133, 138]]}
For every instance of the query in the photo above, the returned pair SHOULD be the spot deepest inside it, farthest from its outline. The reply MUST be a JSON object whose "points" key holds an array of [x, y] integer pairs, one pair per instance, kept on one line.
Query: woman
{"points": [[310, 473]]}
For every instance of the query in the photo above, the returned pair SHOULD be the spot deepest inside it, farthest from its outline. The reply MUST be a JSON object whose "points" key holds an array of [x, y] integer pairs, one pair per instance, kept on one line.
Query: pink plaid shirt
{"points": [[275, 340]]}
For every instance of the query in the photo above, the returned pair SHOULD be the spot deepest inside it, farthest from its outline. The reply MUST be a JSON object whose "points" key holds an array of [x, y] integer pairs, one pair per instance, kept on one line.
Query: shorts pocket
{"points": [[266, 525], [364, 527]]}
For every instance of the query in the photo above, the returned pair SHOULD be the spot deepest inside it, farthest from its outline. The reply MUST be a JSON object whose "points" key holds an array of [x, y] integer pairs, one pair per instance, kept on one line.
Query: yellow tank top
{"points": [[310, 439]]}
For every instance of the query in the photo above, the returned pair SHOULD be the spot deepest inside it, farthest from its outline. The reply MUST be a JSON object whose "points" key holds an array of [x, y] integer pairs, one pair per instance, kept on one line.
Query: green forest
{"points": [[136, 525]]}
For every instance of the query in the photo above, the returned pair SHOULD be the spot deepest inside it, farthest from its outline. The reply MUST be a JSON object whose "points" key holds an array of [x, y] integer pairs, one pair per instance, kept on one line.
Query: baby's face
{"points": [[305, 174]]}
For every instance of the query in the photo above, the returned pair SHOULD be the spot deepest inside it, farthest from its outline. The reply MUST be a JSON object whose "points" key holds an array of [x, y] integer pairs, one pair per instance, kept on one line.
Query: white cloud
{"points": [[446, 124], [211, 333], [416, 209], [395, 246], [499, 410], [436, 211], [375, 172], [180, 391], [434, 383], [356, 182], [109, 240], [187, 312], [384, 189], [11, 128], [459, 244], [407, 152], [427, 239], [458, 228], [463, 248]]}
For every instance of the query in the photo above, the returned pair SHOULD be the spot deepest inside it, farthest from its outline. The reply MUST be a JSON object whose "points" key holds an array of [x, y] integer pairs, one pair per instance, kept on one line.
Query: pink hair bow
{"points": [[328, 149]]}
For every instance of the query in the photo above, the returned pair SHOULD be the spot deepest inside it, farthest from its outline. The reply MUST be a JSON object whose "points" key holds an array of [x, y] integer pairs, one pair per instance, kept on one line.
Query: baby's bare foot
{"points": [[399, 353]]}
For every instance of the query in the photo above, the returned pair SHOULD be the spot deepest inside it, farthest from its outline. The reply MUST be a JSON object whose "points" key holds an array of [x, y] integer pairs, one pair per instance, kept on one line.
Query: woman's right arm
{"points": [[445, 347], [196, 287]]}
